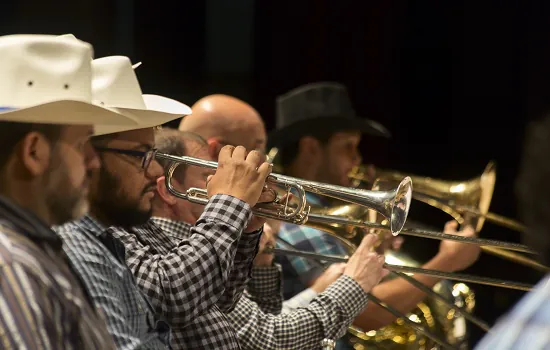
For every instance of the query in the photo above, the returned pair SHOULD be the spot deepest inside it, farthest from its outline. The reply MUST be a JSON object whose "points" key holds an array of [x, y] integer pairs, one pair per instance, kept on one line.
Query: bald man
{"points": [[225, 120]]}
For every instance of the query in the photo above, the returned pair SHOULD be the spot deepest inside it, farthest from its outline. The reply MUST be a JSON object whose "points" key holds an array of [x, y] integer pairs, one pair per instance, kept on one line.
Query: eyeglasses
{"points": [[146, 156]]}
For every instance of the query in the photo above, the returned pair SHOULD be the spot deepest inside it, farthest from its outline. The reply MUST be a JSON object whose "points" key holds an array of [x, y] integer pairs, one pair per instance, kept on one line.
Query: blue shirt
{"points": [[527, 326]]}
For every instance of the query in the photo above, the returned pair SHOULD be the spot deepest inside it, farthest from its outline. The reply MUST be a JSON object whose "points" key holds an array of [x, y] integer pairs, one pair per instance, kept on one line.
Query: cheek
{"points": [[75, 170]]}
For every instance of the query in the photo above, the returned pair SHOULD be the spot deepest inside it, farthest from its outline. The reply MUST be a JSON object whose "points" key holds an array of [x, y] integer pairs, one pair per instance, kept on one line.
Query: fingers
{"points": [[255, 158], [450, 227], [208, 179], [397, 242], [368, 242], [265, 169], [226, 152], [239, 153], [468, 231]]}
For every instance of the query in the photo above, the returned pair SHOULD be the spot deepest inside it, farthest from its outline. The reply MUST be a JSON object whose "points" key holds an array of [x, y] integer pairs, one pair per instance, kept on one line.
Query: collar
{"points": [[26, 222], [93, 225]]}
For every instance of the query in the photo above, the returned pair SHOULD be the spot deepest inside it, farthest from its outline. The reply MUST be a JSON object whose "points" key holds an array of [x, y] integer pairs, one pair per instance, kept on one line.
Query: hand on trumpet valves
{"points": [[458, 256], [239, 174], [365, 266]]}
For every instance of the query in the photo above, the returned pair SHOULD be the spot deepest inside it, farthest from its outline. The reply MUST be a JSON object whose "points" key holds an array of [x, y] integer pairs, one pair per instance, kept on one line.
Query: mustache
{"points": [[150, 187]]}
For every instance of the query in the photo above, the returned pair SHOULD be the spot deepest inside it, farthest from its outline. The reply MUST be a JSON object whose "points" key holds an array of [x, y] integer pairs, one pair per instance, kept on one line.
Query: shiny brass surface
{"points": [[456, 198], [430, 313], [466, 201], [393, 204]]}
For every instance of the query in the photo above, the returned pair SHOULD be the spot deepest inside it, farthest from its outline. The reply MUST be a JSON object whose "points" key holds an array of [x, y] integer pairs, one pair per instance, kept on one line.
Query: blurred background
{"points": [[455, 81]]}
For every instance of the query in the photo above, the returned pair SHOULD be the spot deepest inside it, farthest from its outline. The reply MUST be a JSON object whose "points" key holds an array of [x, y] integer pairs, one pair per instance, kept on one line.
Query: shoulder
{"points": [[36, 273]]}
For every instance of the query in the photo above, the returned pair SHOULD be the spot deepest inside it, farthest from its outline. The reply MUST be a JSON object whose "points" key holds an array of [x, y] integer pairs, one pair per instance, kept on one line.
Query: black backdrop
{"points": [[456, 82]]}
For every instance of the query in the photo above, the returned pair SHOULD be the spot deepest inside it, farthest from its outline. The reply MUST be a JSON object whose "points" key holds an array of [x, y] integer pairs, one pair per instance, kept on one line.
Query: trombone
{"points": [[393, 204]]}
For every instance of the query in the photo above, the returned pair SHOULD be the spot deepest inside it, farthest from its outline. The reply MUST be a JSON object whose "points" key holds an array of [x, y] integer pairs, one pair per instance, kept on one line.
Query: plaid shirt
{"points": [[193, 273], [527, 326], [42, 304], [99, 260], [299, 272], [327, 316]]}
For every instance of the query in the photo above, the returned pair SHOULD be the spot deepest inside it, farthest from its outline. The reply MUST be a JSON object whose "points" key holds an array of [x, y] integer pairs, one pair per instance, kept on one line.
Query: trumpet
{"points": [[393, 204]]}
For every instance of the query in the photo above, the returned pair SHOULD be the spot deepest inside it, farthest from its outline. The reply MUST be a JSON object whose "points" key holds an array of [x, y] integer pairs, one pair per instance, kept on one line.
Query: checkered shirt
{"points": [[193, 273], [527, 326], [327, 316], [99, 260], [299, 272], [265, 289]]}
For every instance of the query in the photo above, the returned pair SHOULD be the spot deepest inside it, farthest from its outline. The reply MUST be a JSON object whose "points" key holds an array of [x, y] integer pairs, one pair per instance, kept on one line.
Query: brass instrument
{"points": [[459, 199], [393, 204], [466, 201]]}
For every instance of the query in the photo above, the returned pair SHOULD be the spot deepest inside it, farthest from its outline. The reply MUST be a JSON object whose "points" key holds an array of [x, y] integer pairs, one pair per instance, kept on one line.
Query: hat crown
{"points": [[37, 69], [115, 83], [323, 99]]}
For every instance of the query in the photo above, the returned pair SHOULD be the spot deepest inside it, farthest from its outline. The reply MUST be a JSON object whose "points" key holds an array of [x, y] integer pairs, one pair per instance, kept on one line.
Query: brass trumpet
{"points": [[460, 199], [466, 201], [393, 204]]}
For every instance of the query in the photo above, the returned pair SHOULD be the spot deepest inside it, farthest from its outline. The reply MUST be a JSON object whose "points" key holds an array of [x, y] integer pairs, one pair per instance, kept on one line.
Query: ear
{"points": [[214, 148], [166, 196], [309, 146], [35, 152]]}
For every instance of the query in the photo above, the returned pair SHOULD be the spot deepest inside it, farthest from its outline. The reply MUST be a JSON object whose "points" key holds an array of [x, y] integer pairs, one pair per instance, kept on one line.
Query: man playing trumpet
{"points": [[255, 317], [318, 136]]}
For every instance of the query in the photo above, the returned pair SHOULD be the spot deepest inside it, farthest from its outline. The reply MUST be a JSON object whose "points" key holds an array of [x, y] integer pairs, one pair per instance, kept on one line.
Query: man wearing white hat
{"points": [[46, 119], [175, 285]]}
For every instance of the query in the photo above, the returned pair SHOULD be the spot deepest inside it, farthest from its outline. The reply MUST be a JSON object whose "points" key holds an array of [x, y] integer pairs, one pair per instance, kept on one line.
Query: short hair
{"points": [[533, 187], [11, 133], [172, 141]]}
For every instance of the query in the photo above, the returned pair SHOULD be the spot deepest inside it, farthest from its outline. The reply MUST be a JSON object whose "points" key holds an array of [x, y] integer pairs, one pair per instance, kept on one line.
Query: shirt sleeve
{"points": [[247, 249], [301, 299], [192, 277], [310, 240], [327, 316], [265, 288]]}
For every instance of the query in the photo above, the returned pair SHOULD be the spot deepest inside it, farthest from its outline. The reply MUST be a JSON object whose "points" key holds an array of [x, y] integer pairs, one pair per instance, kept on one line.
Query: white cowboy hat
{"points": [[116, 86], [47, 80]]}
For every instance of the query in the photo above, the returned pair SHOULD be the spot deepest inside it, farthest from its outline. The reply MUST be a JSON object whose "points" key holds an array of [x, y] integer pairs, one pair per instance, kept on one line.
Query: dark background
{"points": [[456, 82]]}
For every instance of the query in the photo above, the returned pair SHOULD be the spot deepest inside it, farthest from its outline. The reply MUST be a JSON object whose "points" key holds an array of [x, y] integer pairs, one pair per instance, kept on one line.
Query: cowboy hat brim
{"points": [[66, 112], [293, 132], [160, 110]]}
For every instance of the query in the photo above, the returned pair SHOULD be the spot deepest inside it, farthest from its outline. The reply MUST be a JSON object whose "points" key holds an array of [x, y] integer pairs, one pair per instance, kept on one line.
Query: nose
{"points": [[91, 158]]}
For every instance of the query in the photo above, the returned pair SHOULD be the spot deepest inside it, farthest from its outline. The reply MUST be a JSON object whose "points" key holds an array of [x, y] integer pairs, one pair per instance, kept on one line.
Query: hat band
{"points": [[5, 109]]}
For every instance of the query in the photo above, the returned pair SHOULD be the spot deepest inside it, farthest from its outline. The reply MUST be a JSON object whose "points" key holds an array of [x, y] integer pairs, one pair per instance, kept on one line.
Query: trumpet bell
{"points": [[400, 206], [466, 201]]}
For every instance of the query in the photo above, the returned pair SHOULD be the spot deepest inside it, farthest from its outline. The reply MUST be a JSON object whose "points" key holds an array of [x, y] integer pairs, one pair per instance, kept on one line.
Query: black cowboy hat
{"points": [[317, 108]]}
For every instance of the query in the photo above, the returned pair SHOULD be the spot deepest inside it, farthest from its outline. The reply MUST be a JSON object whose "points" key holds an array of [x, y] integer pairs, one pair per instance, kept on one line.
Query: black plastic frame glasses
{"points": [[146, 156]]}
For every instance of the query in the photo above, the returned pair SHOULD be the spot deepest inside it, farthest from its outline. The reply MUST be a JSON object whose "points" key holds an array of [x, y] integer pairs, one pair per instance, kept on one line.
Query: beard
{"points": [[116, 208], [65, 203]]}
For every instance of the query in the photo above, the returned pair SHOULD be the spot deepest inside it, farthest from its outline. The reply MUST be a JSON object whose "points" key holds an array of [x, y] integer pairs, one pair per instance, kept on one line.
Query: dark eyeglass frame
{"points": [[146, 156]]}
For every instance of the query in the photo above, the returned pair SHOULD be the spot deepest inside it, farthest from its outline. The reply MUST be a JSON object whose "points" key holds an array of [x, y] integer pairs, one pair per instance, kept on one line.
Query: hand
{"points": [[458, 255], [330, 275], [389, 243], [239, 175], [366, 266], [267, 240]]}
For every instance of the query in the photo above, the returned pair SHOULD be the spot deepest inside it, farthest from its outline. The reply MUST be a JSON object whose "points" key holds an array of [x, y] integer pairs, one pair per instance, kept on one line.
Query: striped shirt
{"points": [[527, 326], [42, 305]]}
